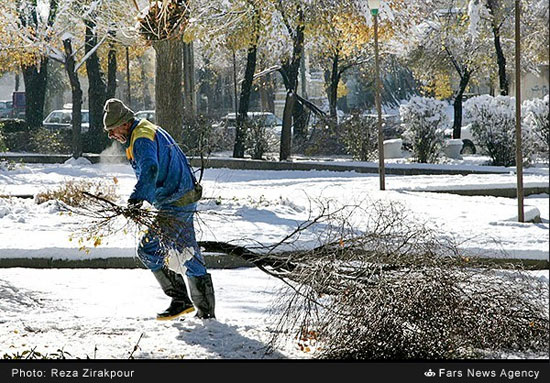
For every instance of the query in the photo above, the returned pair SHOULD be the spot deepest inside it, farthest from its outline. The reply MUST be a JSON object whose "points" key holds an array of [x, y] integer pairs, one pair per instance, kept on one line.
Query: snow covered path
{"points": [[250, 206], [101, 314]]}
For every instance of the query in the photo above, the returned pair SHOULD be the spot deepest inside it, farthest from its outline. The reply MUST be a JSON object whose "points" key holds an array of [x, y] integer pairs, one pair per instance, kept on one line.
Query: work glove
{"points": [[134, 203], [133, 206]]}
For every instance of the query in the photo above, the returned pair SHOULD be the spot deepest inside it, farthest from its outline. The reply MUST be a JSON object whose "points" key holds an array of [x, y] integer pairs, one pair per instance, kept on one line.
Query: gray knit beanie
{"points": [[116, 114]]}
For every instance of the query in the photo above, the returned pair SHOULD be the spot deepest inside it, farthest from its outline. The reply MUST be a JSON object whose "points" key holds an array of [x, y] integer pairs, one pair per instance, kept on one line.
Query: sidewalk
{"points": [[267, 204], [304, 165]]}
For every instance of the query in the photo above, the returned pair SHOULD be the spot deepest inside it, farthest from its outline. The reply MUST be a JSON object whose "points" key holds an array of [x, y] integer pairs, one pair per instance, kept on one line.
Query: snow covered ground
{"points": [[103, 313], [250, 206]]}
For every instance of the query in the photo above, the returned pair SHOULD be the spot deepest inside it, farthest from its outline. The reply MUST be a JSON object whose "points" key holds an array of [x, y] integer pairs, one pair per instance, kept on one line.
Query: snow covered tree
{"points": [[100, 86], [425, 120], [163, 24], [340, 41], [442, 45], [234, 25], [94, 25], [292, 14], [253, 28], [498, 18], [42, 30], [26, 33], [536, 118], [494, 127]]}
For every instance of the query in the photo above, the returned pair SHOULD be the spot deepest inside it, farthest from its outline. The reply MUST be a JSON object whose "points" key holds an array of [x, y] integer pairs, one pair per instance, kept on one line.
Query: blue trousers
{"points": [[178, 233]]}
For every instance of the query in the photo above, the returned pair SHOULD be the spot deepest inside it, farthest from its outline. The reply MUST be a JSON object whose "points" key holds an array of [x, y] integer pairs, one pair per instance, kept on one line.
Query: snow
{"points": [[67, 36], [252, 206], [104, 313], [101, 314], [474, 14], [77, 161]]}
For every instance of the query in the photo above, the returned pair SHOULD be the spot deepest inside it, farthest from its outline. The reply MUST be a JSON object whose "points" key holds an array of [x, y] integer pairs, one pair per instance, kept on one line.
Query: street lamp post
{"points": [[374, 6], [519, 157], [236, 102]]}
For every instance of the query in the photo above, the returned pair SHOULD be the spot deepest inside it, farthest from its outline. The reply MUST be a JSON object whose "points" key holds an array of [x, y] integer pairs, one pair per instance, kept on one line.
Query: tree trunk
{"points": [[128, 83], [111, 71], [332, 88], [286, 133], [300, 116], [457, 105], [97, 94], [501, 60], [267, 94], [246, 88], [146, 101], [290, 71], [244, 103], [76, 99], [35, 78], [168, 85], [189, 97]]}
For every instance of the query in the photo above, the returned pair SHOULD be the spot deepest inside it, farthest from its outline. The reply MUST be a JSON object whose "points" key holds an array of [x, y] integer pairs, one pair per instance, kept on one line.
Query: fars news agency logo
{"points": [[429, 373]]}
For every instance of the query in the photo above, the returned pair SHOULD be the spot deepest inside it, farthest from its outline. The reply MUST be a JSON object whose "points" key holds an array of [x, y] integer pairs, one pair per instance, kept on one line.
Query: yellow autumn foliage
{"points": [[342, 90], [439, 86]]}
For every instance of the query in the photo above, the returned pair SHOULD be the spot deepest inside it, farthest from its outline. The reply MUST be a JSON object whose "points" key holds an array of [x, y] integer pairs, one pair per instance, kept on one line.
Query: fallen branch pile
{"points": [[396, 289]]}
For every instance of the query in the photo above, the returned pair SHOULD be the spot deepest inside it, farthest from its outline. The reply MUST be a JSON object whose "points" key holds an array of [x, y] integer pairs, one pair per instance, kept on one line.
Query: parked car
{"points": [[264, 137], [6, 107], [61, 119], [264, 119], [391, 125], [149, 115]]}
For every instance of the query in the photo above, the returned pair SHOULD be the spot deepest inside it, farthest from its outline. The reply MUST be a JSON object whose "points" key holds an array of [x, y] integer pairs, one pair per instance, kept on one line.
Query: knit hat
{"points": [[116, 114]]}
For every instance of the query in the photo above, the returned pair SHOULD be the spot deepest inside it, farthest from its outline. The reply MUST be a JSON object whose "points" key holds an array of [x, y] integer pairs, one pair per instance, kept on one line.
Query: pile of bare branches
{"points": [[401, 290], [382, 285]]}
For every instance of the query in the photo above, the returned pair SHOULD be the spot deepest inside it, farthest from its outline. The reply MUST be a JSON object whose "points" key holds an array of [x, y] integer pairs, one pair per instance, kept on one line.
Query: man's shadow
{"points": [[224, 340]]}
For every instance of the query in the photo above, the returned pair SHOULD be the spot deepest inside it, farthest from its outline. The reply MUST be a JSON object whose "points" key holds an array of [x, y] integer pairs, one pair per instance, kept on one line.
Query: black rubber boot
{"points": [[202, 294], [173, 285]]}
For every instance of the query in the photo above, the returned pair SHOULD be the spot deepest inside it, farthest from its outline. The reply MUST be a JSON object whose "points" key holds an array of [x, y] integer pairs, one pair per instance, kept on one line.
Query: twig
{"points": [[136, 347]]}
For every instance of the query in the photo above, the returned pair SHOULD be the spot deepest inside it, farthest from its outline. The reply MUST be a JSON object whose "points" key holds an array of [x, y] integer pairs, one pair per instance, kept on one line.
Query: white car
{"points": [[264, 119], [6, 107], [61, 119], [149, 115]]}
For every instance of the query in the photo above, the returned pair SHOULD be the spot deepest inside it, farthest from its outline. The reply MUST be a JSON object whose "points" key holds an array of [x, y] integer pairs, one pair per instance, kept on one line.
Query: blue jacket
{"points": [[162, 169]]}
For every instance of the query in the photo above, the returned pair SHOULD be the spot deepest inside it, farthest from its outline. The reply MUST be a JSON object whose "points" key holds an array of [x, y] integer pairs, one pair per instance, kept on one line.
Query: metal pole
{"points": [[235, 83], [379, 108], [519, 157], [128, 76]]}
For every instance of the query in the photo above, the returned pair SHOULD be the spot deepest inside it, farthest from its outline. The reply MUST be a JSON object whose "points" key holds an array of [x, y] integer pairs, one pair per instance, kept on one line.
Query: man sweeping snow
{"points": [[165, 180]]}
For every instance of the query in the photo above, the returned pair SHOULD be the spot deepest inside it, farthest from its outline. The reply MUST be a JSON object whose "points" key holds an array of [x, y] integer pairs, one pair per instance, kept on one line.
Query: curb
{"points": [[249, 164], [222, 261], [496, 192]]}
